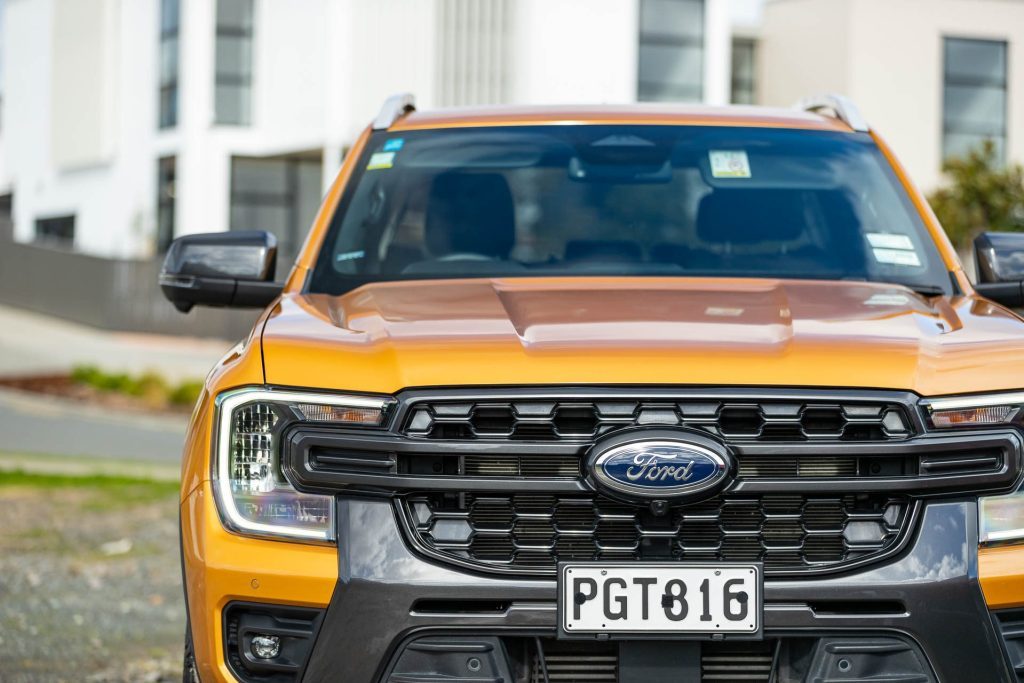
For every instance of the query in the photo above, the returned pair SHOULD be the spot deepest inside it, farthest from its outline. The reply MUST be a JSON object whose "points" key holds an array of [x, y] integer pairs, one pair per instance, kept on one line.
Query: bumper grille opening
{"points": [[532, 533], [1011, 624]]}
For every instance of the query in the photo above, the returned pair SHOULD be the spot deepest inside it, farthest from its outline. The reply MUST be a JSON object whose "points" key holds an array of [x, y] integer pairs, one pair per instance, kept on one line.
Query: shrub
{"points": [[981, 195], [186, 393]]}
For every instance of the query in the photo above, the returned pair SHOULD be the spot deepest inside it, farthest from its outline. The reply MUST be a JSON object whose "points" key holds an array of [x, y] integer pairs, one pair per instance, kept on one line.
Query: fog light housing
{"points": [[269, 643]]}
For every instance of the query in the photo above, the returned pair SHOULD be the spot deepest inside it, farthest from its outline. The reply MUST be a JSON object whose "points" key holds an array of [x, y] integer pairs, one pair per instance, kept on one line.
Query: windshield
{"points": [[626, 200]]}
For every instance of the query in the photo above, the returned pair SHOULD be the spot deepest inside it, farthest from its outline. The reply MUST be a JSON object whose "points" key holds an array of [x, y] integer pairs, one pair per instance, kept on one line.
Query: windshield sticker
{"points": [[887, 300], [887, 240], [896, 257], [381, 160], [350, 256], [394, 144], [729, 163]]}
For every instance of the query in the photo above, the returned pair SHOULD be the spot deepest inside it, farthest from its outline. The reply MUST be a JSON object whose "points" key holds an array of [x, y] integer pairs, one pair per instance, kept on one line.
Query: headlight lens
{"points": [[1001, 518], [253, 494], [975, 411]]}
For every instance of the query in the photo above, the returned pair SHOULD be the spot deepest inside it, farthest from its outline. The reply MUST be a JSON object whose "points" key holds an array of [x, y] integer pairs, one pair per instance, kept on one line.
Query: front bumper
{"points": [[379, 595], [381, 582]]}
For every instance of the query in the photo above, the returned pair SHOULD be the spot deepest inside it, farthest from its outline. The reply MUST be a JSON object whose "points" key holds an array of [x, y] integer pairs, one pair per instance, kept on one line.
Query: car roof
{"points": [[638, 114]]}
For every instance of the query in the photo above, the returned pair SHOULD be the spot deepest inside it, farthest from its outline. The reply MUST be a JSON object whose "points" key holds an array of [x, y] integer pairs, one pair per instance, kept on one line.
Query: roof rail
{"points": [[842, 107], [393, 109]]}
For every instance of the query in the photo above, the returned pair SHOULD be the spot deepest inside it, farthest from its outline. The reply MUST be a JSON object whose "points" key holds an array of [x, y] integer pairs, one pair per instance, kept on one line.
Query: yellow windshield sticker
{"points": [[381, 160], [729, 163]]}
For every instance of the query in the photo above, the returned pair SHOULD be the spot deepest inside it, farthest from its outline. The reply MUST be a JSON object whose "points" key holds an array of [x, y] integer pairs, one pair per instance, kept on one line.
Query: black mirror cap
{"points": [[999, 257], [233, 269]]}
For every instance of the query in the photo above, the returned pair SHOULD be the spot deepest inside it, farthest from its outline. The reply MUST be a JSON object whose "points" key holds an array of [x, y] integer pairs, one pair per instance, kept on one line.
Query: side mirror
{"points": [[1000, 262], [221, 269]]}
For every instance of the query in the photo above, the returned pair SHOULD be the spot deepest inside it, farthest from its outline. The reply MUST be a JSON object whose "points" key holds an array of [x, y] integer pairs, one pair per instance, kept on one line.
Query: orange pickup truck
{"points": [[639, 393]]}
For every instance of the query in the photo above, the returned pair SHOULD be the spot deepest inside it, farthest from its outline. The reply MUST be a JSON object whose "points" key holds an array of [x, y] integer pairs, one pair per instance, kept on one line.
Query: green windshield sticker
{"points": [[381, 160], [729, 163]]}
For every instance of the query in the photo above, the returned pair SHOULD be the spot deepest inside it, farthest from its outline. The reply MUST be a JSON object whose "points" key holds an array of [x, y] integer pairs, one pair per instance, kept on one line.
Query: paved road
{"points": [[30, 423], [31, 343]]}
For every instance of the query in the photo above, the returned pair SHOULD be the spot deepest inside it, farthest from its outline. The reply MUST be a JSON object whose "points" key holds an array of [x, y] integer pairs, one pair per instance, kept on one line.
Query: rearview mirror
{"points": [[221, 269], [1000, 263]]}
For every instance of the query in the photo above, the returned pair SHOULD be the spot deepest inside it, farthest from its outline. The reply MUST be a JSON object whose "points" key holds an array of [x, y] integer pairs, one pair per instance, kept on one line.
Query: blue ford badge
{"points": [[666, 465]]}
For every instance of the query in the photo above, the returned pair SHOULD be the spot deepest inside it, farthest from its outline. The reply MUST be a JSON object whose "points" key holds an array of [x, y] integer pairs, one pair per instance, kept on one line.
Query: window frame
{"points": [[962, 82], [50, 240], [169, 88], [668, 39], [166, 202], [243, 81]]}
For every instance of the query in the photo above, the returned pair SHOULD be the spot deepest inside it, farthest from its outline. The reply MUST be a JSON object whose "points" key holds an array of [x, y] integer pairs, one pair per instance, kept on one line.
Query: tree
{"points": [[981, 195]]}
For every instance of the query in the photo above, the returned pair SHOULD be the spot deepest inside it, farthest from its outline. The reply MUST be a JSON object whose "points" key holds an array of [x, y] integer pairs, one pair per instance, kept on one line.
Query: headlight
{"points": [[975, 411], [1001, 518], [253, 495]]}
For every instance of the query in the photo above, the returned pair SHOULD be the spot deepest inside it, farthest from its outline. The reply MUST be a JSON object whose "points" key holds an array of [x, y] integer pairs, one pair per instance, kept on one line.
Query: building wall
{"points": [[803, 49], [887, 55], [897, 72]]}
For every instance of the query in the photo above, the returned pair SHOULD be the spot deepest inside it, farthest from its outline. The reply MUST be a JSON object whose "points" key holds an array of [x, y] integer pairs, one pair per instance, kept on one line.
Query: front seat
{"points": [[470, 224]]}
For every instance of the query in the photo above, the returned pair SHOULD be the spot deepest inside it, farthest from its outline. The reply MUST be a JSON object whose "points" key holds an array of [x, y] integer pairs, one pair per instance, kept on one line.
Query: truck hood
{"points": [[573, 331]]}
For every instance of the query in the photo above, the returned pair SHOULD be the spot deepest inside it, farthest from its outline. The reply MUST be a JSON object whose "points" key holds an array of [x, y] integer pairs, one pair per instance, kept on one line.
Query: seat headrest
{"points": [[470, 213], [744, 216]]}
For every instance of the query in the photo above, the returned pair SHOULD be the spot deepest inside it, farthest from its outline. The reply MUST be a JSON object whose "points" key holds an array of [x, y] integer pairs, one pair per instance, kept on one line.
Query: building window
{"points": [[278, 194], [165, 196], [170, 16], [473, 59], [974, 97], [233, 92], [743, 66], [57, 231], [671, 55]]}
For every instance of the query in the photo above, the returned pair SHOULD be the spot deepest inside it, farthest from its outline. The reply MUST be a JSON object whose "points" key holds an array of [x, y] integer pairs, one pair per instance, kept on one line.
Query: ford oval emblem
{"points": [[662, 464]]}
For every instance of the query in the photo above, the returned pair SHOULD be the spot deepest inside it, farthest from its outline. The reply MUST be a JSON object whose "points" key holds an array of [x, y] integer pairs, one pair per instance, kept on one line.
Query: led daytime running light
{"points": [[252, 493]]}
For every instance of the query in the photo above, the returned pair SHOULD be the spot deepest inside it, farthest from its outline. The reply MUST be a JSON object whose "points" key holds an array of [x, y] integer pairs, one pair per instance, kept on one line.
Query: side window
{"points": [[233, 91], [974, 96], [671, 50]]}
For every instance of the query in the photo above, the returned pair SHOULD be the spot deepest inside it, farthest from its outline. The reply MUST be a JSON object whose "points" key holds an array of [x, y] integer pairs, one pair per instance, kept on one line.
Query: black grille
{"points": [[1011, 623], [576, 663], [569, 662], [531, 533], [732, 420], [736, 662]]}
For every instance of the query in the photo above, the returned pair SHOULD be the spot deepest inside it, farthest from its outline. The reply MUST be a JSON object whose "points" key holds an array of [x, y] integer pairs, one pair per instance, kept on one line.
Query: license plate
{"points": [[637, 599]]}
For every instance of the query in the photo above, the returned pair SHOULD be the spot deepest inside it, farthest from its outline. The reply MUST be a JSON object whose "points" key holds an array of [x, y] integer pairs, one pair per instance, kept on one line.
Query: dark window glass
{"points": [[6, 214], [743, 68], [626, 200], [671, 50], [279, 194], [170, 17], [233, 91], [165, 183], [974, 96], [56, 231]]}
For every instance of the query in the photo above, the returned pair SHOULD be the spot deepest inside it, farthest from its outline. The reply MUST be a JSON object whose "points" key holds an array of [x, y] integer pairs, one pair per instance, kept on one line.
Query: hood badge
{"points": [[659, 464]]}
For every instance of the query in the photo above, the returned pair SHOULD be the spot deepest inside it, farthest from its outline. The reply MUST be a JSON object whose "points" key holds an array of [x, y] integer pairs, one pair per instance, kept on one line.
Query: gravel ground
{"points": [[90, 586]]}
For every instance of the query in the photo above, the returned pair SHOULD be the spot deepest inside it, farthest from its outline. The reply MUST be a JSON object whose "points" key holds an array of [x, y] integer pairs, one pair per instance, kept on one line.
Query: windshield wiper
{"points": [[923, 290]]}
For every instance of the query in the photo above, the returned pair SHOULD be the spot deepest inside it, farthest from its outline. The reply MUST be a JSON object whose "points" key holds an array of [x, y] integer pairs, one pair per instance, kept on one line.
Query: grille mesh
{"points": [[788, 532], [730, 420]]}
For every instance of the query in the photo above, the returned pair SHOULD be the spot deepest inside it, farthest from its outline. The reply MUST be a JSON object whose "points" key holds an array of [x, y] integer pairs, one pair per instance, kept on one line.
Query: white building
{"points": [[127, 122], [934, 77]]}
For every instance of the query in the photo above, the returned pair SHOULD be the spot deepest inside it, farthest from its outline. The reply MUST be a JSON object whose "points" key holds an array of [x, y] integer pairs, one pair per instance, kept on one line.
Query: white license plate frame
{"points": [[691, 573]]}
